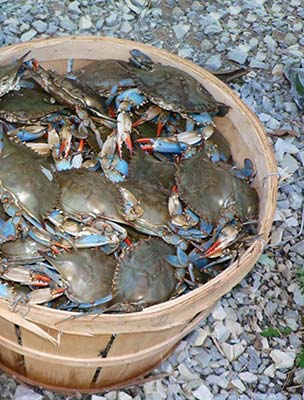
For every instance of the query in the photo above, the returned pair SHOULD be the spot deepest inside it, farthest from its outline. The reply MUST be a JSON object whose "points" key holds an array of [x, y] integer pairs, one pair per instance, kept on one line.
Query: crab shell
{"points": [[103, 75], [147, 169], [206, 187], [34, 192], [22, 251], [27, 106], [143, 275], [174, 90], [86, 193], [88, 274]]}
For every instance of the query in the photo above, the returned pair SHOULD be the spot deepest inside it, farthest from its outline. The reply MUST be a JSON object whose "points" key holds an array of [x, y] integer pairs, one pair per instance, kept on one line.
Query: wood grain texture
{"points": [[142, 339]]}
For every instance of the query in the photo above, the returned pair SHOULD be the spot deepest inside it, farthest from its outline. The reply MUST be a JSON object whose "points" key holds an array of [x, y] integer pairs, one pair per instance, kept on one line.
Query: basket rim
{"points": [[258, 245]]}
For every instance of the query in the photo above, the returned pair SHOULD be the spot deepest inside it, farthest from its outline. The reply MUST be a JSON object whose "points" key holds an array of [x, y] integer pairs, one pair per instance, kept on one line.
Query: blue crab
{"points": [[215, 194], [27, 186], [10, 75], [143, 275]]}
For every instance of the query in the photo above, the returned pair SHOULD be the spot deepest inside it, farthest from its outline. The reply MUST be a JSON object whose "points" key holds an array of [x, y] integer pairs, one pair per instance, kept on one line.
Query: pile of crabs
{"points": [[117, 191]]}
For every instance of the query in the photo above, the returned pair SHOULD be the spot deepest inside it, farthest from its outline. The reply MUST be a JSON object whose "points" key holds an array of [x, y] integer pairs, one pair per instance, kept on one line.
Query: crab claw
{"points": [[124, 128], [227, 235], [163, 145], [40, 280]]}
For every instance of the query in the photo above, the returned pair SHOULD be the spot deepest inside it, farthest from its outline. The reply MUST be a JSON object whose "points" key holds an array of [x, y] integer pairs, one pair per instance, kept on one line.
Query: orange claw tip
{"points": [[58, 291], [174, 189], [159, 128], [81, 145], [143, 140], [216, 247], [35, 63], [42, 278], [128, 242], [129, 144], [138, 122], [147, 148]]}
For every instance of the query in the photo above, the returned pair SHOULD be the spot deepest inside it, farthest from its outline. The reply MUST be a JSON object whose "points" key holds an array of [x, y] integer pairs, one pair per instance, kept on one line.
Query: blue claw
{"points": [[163, 145], [27, 136], [244, 173], [202, 119], [132, 97]]}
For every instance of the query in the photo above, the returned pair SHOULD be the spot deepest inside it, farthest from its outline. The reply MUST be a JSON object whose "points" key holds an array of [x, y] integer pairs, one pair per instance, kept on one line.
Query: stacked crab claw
{"points": [[117, 191]]}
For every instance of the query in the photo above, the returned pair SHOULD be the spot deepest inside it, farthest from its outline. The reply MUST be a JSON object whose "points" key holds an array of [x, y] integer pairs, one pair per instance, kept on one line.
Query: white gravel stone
{"points": [[270, 371], [186, 373], [74, 7], [40, 26], [203, 393], [238, 384], [237, 55], [299, 377], [234, 328], [283, 359], [180, 30], [201, 336], [26, 36], [218, 313], [126, 27], [248, 377], [85, 23], [124, 396], [220, 332], [232, 351], [96, 397], [25, 393]]}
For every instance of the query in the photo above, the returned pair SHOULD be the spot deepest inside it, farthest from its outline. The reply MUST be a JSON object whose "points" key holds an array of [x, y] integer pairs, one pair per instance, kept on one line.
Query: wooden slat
{"points": [[124, 372], [58, 375], [69, 344], [8, 357]]}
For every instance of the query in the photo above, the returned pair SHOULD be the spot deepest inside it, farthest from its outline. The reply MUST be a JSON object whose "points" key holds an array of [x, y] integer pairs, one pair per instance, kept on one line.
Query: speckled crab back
{"points": [[205, 187], [22, 176], [174, 90], [103, 75], [143, 275]]}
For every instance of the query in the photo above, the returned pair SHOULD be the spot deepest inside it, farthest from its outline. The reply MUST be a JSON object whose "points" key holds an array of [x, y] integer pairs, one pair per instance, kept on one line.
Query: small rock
{"points": [[269, 40], [203, 393], [40, 26], [217, 380], [74, 7], [283, 359], [238, 384], [298, 248], [237, 55], [214, 62], [124, 396], [282, 147], [234, 328], [232, 352], [186, 374], [25, 393], [299, 377], [248, 377], [298, 297], [270, 371], [295, 200], [254, 63], [67, 24], [206, 45], [200, 337], [290, 164], [85, 23], [218, 313], [28, 35], [180, 30], [95, 397], [213, 28], [126, 27], [111, 19], [221, 332], [273, 124]]}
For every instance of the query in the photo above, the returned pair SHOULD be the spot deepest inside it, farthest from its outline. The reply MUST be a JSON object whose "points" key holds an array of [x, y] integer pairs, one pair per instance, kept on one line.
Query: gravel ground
{"points": [[226, 357]]}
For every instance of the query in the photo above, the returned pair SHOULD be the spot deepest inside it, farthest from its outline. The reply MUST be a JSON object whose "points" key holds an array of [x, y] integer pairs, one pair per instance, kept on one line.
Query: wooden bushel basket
{"points": [[88, 355]]}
